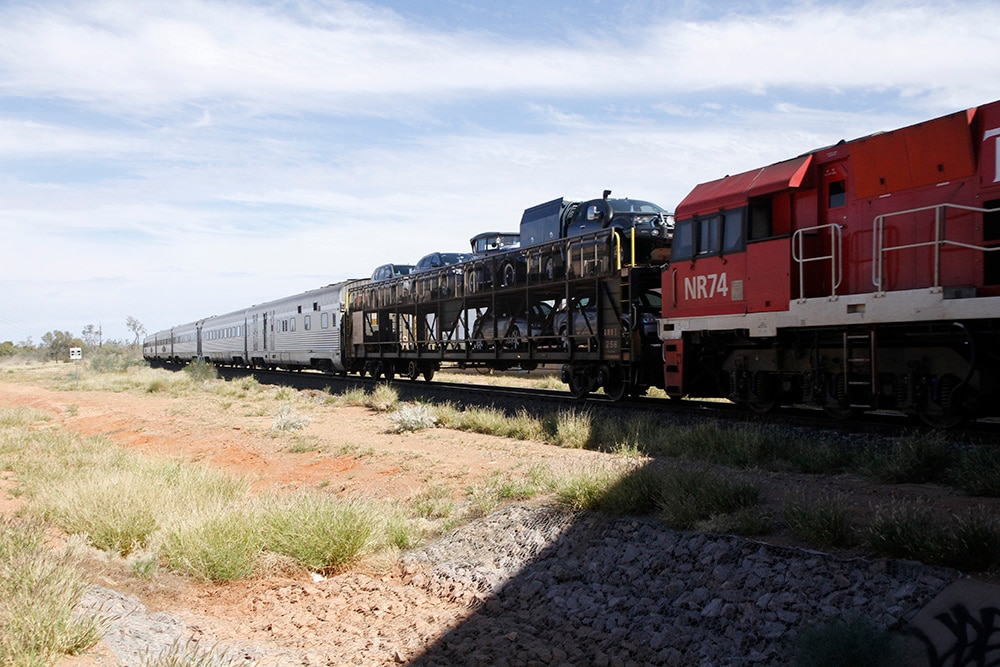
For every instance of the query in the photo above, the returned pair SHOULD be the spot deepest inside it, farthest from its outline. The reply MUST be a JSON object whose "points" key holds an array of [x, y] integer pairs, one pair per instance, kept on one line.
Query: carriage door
{"points": [[256, 323]]}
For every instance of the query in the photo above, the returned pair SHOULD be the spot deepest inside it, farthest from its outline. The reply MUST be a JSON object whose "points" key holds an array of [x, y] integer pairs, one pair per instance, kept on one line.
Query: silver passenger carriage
{"points": [[301, 331]]}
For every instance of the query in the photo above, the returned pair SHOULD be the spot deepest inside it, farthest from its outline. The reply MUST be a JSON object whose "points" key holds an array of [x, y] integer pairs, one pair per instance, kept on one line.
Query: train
{"points": [[855, 277]]}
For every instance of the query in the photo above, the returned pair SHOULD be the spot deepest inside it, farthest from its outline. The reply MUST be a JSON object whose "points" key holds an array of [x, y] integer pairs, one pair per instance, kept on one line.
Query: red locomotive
{"points": [[861, 276]]}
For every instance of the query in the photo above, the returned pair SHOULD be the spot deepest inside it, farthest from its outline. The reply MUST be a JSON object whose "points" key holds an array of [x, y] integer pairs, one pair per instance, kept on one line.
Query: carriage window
{"points": [[683, 247], [709, 235], [760, 219], [307, 322], [732, 231], [324, 320], [837, 194], [291, 324]]}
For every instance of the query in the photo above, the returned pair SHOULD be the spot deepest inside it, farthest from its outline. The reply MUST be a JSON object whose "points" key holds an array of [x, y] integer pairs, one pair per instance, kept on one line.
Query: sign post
{"points": [[75, 355]]}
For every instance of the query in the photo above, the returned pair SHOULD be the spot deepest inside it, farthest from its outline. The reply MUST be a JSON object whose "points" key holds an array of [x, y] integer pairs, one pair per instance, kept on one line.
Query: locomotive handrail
{"points": [[835, 256], [880, 250]]}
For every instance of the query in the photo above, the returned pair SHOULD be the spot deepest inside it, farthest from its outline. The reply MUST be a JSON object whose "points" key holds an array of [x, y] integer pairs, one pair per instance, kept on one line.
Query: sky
{"points": [[170, 160]]}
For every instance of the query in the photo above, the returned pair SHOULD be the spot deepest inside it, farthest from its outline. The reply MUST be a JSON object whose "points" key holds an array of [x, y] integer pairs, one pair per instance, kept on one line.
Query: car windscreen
{"points": [[634, 206], [454, 258]]}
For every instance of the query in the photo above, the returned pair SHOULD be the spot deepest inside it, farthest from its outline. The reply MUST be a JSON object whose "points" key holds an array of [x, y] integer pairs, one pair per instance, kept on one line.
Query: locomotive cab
{"points": [[865, 275]]}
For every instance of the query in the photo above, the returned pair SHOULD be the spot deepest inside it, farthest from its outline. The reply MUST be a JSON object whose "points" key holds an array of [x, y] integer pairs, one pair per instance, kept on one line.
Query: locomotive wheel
{"points": [[761, 399], [579, 389], [948, 415], [428, 374], [389, 371], [412, 370], [840, 413], [580, 383], [942, 421], [616, 389], [762, 407]]}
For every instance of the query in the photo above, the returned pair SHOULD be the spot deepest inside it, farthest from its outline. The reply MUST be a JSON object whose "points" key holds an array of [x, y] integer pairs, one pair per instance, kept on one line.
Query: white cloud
{"points": [[347, 57]]}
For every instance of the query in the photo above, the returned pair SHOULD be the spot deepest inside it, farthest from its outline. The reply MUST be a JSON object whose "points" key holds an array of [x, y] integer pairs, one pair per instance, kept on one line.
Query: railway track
{"points": [[538, 402]]}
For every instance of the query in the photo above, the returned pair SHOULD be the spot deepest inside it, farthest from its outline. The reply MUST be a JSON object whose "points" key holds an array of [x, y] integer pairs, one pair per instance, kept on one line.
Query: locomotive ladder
{"points": [[861, 365]]}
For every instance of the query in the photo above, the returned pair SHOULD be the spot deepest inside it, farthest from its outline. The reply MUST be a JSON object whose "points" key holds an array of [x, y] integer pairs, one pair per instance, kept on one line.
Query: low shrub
{"points": [[509, 486], [383, 398], [288, 419], [191, 653], [916, 458], [217, 547], [824, 521], [321, 532], [200, 370], [977, 471], [435, 502], [686, 498], [968, 541], [585, 489], [570, 428], [412, 417], [744, 521], [38, 593]]}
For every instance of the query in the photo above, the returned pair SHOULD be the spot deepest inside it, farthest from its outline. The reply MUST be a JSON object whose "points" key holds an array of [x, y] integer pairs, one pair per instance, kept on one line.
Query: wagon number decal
{"points": [[706, 287]]}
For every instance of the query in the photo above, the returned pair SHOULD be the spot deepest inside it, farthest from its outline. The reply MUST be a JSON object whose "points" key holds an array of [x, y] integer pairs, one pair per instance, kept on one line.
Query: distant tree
{"points": [[91, 336], [137, 328], [7, 349], [57, 344]]}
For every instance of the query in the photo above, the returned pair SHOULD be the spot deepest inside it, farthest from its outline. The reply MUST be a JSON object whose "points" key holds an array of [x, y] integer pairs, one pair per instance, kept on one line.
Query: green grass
{"points": [[915, 458], [586, 489], [570, 428], [821, 521], [191, 653], [38, 591], [323, 533], [220, 546], [490, 421], [687, 498], [508, 486], [976, 471], [969, 541], [434, 502], [193, 519]]}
